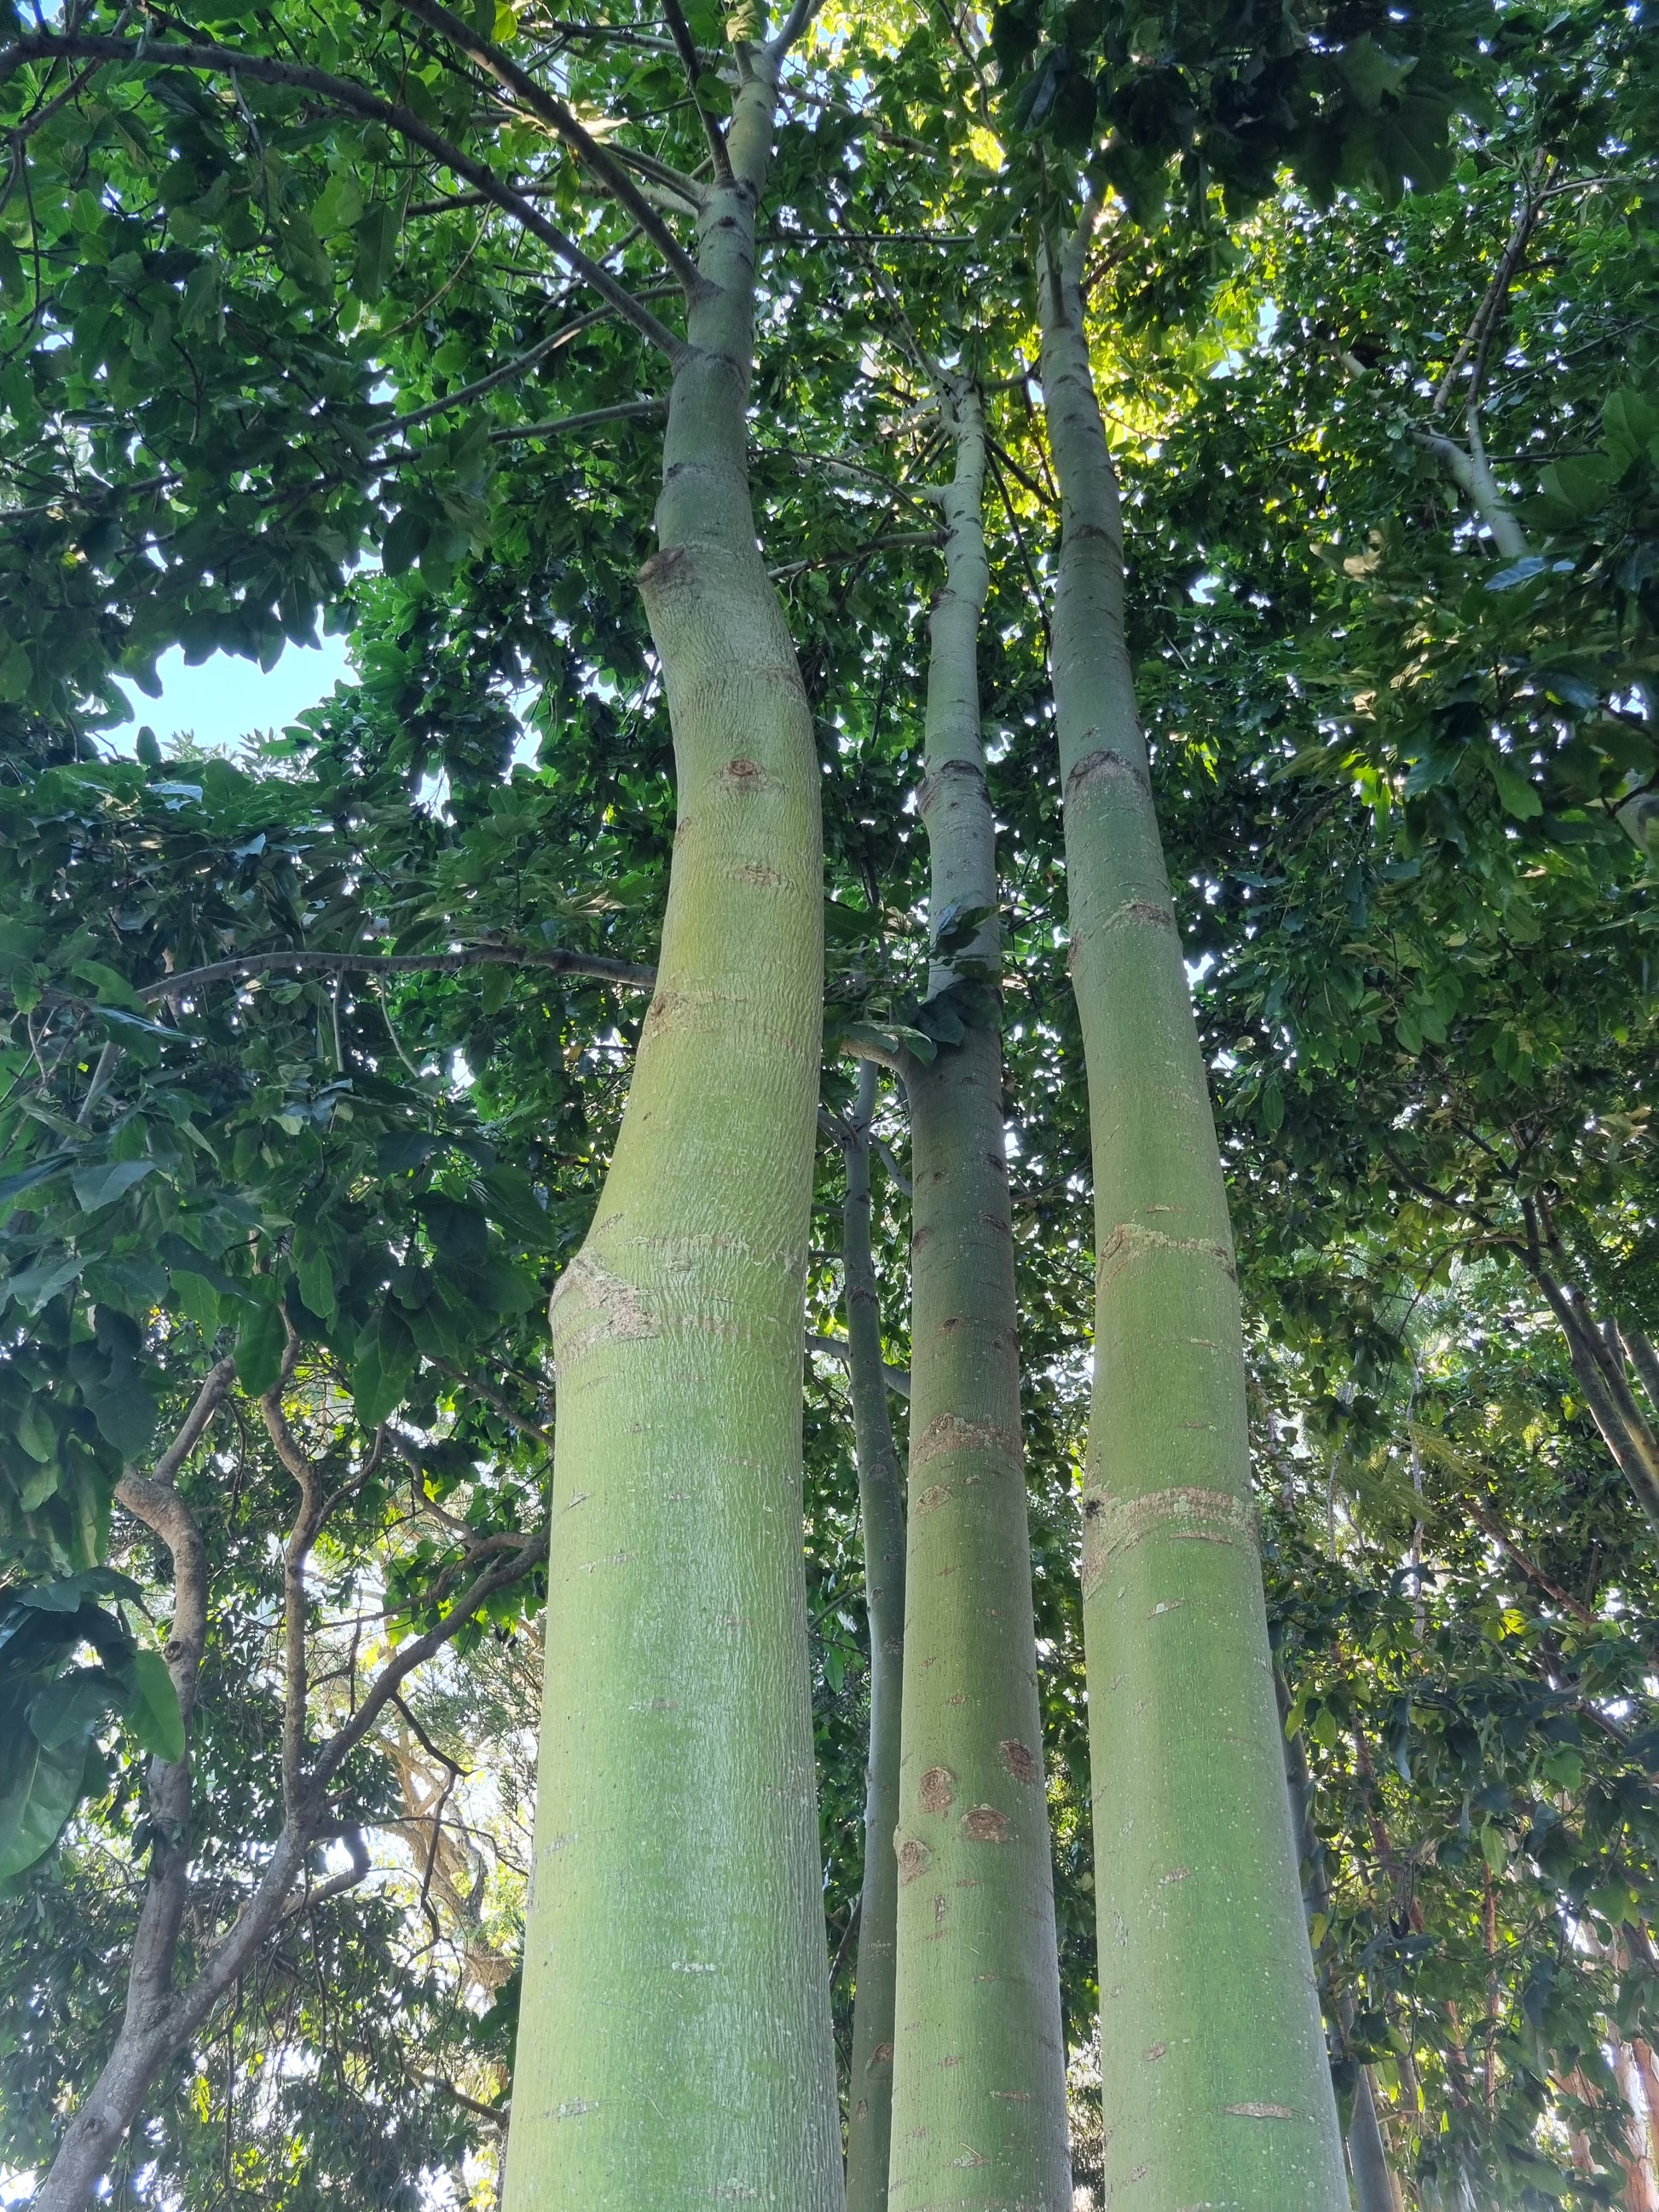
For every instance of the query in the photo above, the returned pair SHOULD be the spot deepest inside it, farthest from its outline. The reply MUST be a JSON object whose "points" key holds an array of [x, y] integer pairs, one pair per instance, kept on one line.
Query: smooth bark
{"points": [[1212, 2060], [881, 1511], [979, 2088], [674, 2045]]}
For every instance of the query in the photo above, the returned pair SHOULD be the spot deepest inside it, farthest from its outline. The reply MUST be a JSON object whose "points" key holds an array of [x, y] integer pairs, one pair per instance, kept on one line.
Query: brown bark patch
{"points": [[746, 777], [914, 1858], [948, 1433], [1176, 1874], [1018, 1760], [1147, 912], [1153, 2053], [1259, 2111], [760, 877], [938, 1790], [610, 1310], [881, 2056], [932, 1499], [664, 569], [1097, 767], [985, 1824], [1185, 1510]]}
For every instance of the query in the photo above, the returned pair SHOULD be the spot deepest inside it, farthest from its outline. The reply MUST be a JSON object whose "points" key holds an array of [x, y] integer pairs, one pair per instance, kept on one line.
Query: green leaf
{"points": [[1515, 787], [36, 1430], [404, 540], [124, 1410], [96, 1187], [153, 1713], [260, 1342], [386, 1363], [376, 247], [315, 1270], [69, 1709], [42, 1790]]}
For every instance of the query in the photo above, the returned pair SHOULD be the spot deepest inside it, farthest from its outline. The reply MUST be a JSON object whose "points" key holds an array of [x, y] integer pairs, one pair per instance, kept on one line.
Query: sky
{"points": [[225, 698]]}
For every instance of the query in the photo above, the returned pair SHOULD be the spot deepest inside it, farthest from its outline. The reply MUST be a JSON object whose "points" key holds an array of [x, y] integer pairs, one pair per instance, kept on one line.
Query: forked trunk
{"points": [[1216, 2084], [674, 2046], [979, 2087]]}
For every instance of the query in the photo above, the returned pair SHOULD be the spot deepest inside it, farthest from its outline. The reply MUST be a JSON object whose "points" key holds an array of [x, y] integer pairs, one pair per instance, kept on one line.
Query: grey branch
{"points": [[600, 164], [838, 1348], [628, 411], [560, 963]]}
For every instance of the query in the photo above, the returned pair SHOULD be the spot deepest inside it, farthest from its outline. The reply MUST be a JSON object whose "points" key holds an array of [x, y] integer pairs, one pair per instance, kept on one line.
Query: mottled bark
{"points": [[1212, 2061], [674, 2043], [979, 2087]]}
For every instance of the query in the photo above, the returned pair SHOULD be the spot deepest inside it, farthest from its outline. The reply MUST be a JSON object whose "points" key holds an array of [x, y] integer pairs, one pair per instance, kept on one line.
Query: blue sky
{"points": [[225, 697]]}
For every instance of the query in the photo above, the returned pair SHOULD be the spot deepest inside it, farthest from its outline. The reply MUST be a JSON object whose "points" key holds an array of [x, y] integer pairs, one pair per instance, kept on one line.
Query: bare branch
{"points": [[417, 1651], [600, 164], [560, 963], [520, 365], [686, 46], [303, 1535], [355, 100], [838, 1348], [894, 542], [629, 411]]}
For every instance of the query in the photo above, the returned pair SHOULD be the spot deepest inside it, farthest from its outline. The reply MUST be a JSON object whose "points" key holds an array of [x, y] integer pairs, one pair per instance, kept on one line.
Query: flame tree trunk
{"points": [[979, 2092], [674, 2045], [1216, 2084]]}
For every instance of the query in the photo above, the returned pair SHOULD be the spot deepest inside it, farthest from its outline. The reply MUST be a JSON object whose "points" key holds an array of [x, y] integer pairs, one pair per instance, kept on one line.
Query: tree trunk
{"points": [[675, 2045], [1374, 2186], [870, 2091], [979, 2086], [1216, 2084]]}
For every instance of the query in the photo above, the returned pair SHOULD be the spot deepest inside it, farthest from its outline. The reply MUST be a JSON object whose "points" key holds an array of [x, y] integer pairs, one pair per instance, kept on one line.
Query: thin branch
{"points": [[357, 100], [417, 1651], [519, 366], [600, 164], [398, 963], [629, 411], [492, 1396], [793, 27], [895, 541], [838, 1348], [337, 1884], [686, 46]]}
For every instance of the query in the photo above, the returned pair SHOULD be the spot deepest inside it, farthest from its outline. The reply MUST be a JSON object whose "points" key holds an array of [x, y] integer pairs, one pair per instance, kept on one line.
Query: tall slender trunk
{"points": [[881, 1509], [675, 2045], [978, 2084], [1216, 2082]]}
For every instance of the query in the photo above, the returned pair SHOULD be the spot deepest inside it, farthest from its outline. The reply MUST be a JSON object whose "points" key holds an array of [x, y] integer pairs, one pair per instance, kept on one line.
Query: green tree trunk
{"points": [[1216, 2084], [674, 2046], [881, 1509], [979, 2091]]}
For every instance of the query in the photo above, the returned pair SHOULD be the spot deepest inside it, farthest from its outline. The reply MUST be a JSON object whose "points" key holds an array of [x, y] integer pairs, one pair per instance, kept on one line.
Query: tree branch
{"points": [[686, 46], [600, 164], [519, 366], [595, 965], [629, 411], [355, 100], [895, 541], [307, 1521]]}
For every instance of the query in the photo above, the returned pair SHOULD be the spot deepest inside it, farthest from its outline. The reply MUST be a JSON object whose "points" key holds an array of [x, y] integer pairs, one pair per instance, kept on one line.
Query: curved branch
{"points": [[357, 100], [601, 164], [559, 962]]}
